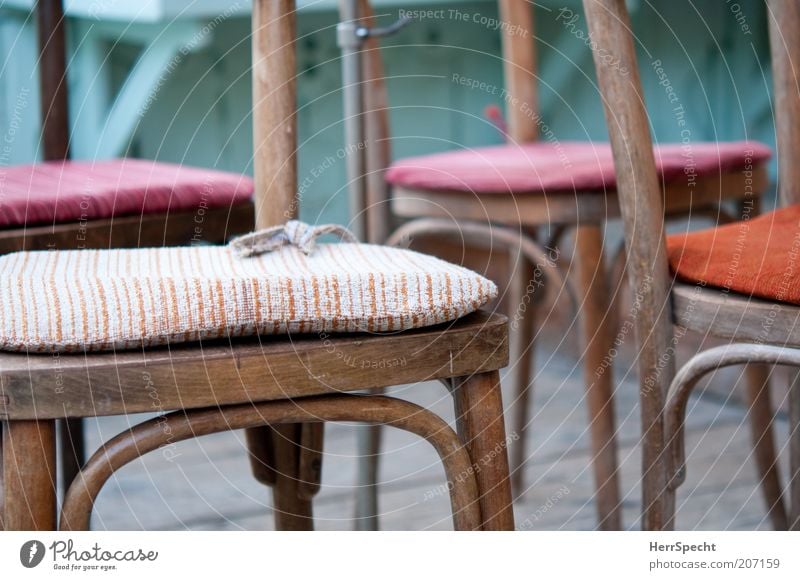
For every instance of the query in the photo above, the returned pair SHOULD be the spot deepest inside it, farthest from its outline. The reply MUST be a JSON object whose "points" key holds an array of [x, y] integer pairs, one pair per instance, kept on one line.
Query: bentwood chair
{"points": [[523, 196], [289, 385], [61, 204], [751, 302]]}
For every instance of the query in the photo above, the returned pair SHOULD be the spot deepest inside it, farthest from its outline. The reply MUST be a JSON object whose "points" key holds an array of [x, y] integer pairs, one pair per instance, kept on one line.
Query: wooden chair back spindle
{"points": [[287, 457], [640, 196], [274, 113], [378, 151], [53, 80], [643, 218], [784, 22], [519, 69], [519, 72]]}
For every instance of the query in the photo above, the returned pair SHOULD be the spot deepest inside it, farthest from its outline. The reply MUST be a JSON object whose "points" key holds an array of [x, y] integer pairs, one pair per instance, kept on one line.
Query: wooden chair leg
{"points": [[276, 458], [523, 326], [72, 448], [262, 454], [595, 328], [369, 446], [29, 475], [794, 453], [293, 511], [2, 490], [479, 420], [760, 415], [309, 469]]}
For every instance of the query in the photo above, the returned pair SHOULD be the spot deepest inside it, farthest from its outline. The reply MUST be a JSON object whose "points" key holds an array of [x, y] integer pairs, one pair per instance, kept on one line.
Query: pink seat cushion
{"points": [[60, 192], [549, 167]]}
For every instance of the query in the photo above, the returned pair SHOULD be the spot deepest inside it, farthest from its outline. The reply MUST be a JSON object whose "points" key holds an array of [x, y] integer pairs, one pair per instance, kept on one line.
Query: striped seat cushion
{"points": [[88, 300]]}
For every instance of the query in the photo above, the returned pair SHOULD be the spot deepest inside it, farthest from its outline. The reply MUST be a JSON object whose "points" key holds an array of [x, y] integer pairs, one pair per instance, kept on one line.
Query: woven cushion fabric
{"points": [[564, 167], [757, 257], [61, 192], [117, 299]]}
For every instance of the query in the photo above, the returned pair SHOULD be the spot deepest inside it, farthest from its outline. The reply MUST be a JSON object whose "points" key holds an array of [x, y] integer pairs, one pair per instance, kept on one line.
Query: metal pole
{"points": [[351, 37], [350, 42], [366, 495]]}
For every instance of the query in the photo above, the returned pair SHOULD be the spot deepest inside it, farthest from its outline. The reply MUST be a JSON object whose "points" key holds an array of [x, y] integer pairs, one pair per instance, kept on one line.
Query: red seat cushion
{"points": [[59, 192], [549, 167], [757, 257]]}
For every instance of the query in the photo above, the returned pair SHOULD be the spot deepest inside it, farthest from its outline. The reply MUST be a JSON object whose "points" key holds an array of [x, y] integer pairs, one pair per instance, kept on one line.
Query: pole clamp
{"points": [[351, 35]]}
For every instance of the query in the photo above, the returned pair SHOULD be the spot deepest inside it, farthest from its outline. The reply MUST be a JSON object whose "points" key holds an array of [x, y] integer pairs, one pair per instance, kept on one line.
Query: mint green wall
{"points": [[19, 106], [425, 102], [200, 114]]}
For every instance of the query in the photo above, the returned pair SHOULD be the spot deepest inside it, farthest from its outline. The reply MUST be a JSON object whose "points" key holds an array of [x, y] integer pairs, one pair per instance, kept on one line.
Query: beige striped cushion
{"points": [[116, 299]]}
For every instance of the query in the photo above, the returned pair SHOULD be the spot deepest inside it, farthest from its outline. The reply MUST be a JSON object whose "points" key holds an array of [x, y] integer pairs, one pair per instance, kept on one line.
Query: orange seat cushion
{"points": [[759, 257]]}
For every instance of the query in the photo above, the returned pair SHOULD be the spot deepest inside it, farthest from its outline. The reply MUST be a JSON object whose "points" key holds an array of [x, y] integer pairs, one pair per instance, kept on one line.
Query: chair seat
{"points": [[84, 300], [735, 317], [756, 257], [62, 192], [234, 371], [560, 167]]}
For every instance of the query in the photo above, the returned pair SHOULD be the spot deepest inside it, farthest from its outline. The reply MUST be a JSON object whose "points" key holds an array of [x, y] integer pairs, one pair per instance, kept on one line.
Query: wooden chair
{"points": [[720, 312], [507, 196], [142, 229], [288, 385], [221, 219]]}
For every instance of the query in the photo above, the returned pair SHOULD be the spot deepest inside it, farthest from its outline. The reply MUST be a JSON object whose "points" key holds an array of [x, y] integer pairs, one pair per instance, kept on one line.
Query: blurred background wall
{"points": [[190, 103]]}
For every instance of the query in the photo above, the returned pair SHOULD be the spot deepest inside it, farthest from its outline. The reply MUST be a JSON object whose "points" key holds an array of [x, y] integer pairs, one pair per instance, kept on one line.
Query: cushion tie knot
{"points": [[293, 233]]}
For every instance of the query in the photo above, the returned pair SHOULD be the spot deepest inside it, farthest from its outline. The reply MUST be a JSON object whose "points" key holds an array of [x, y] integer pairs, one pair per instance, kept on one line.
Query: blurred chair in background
{"points": [[524, 196], [731, 280], [121, 203]]}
